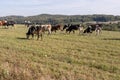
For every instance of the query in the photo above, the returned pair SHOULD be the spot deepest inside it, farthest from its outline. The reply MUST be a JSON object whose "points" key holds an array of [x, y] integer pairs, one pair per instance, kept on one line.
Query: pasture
{"points": [[59, 56]]}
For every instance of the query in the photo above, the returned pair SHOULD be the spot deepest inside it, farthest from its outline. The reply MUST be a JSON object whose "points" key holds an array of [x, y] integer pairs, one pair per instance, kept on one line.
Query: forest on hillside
{"points": [[67, 19]]}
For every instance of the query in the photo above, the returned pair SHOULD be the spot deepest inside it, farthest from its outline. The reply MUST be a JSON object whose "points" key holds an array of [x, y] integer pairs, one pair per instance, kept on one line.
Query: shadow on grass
{"points": [[111, 39], [20, 38], [4, 28]]}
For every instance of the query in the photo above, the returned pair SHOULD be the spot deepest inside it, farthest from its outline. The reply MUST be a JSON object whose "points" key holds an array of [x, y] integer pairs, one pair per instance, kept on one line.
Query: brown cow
{"points": [[56, 27], [7, 23]]}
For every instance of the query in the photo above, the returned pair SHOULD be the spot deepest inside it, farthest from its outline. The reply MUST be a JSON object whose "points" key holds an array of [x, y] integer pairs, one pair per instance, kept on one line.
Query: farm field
{"points": [[59, 56]]}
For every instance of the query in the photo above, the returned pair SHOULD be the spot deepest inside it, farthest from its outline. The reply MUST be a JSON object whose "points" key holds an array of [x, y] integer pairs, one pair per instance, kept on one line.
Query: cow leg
{"points": [[73, 32], [49, 32], [80, 30], [38, 36], [32, 36], [66, 31], [7, 26], [41, 36], [55, 31], [100, 31], [13, 26], [69, 31], [27, 36], [97, 32]]}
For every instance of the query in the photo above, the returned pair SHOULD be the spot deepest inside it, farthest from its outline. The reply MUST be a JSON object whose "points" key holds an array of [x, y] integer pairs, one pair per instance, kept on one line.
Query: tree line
{"points": [[67, 19]]}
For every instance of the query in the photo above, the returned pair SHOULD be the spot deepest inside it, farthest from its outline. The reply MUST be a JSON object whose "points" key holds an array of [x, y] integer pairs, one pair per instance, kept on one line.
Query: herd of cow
{"points": [[6, 23], [40, 29]]}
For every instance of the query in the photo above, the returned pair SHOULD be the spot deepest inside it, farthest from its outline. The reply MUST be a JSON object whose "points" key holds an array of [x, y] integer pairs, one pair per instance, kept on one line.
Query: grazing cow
{"points": [[70, 28], [98, 29], [88, 30], [38, 30], [94, 27], [66, 27], [56, 27], [7, 23], [3, 23], [47, 27], [10, 23], [81, 29]]}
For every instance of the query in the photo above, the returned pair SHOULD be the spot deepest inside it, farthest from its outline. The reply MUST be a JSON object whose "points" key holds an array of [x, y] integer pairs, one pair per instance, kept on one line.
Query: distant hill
{"points": [[55, 19]]}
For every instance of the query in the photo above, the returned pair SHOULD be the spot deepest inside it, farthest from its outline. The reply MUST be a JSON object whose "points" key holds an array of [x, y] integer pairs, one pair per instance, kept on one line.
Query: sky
{"points": [[64, 7]]}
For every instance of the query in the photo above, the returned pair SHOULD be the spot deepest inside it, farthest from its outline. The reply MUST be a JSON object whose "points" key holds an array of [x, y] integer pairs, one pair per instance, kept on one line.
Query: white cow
{"points": [[98, 29], [47, 27]]}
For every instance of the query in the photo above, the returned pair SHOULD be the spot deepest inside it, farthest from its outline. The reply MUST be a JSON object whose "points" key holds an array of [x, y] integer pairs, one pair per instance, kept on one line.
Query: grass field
{"points": [[59, 56]]}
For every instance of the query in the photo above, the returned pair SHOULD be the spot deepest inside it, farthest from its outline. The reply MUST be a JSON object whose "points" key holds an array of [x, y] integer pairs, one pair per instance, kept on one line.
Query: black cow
{"points": [[93, 27], [56, 27], [66, 27], [88, 30], [70, 28], [38, 30], [9, 23]]}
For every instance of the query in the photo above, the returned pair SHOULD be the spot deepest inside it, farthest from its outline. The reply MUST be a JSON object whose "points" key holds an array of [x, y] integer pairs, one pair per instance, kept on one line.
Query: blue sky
{"points": [[67, 7]]}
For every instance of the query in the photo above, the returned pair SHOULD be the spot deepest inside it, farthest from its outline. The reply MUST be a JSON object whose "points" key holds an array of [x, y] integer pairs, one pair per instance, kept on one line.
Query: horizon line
{"points": [[57, 14]]}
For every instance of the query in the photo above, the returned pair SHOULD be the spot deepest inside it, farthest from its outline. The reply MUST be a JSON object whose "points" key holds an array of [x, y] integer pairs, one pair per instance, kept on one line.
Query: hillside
{"points": [[59, 56], [56, 19]]}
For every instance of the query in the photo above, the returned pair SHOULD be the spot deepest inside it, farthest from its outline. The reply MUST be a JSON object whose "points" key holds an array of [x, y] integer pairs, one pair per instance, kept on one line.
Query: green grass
{"points": [[59, 56]]}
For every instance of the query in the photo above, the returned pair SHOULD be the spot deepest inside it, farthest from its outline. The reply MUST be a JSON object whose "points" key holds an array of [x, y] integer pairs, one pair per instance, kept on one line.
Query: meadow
{"points": [[59, 56]]}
